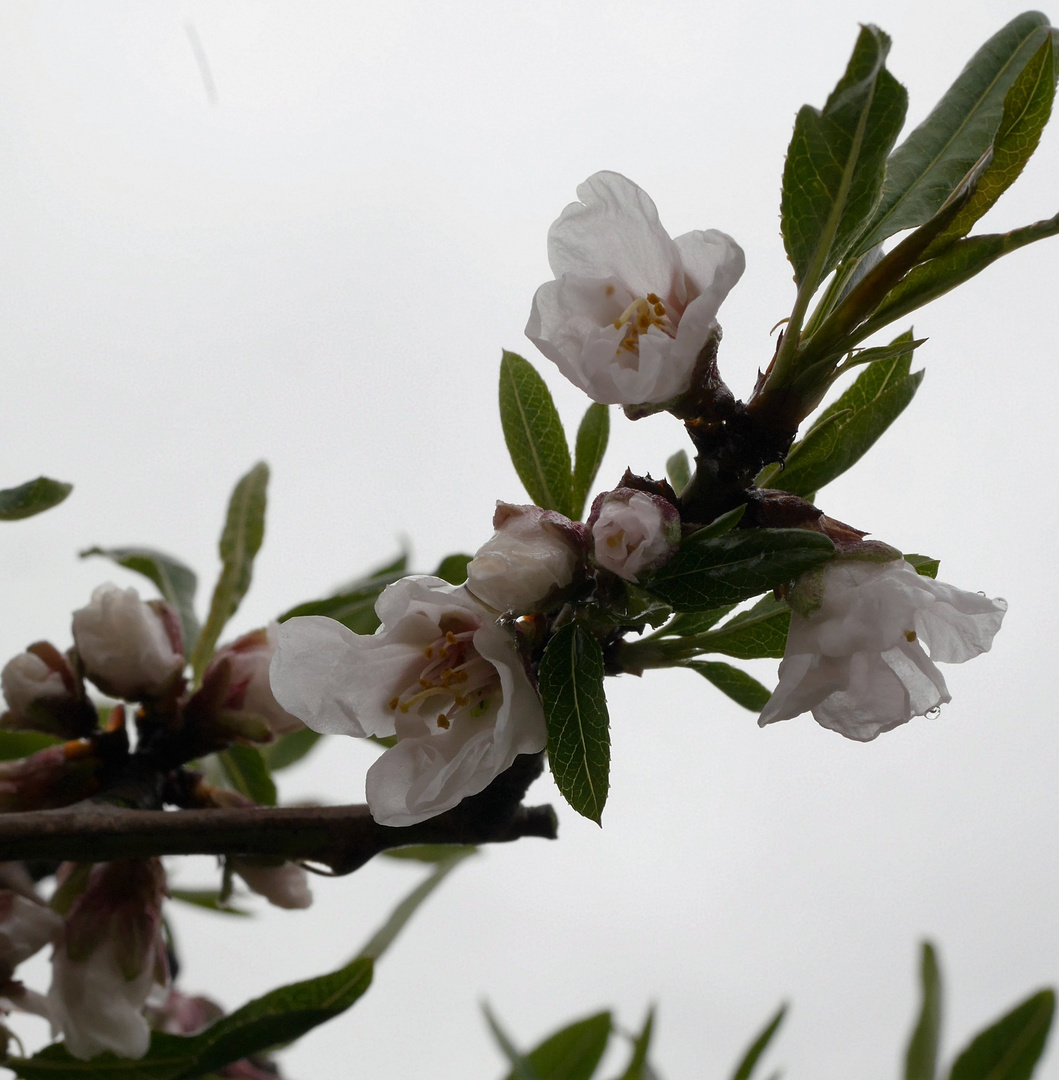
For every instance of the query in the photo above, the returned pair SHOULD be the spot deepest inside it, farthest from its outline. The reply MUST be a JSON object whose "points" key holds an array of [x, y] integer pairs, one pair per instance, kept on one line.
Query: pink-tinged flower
{"points": [[855, 653], [531, 553], [283, 886], [110, 959], [52, 777], [130, 649], [439, 673], [630, 309], [248, 686], [633, 533]]}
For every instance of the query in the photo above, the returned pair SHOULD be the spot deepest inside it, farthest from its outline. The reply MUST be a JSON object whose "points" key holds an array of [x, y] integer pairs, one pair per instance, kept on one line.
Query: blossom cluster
{"points": [[109, 963]]}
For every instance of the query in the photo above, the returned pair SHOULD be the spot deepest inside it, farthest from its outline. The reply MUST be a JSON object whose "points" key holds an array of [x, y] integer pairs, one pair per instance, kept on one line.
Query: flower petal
{"points": [[614, 231]]}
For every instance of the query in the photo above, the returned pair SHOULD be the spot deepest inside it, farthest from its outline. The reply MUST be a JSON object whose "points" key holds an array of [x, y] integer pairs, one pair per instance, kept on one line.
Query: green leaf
{"points": [[638, 1067], [691, 624], [1010, 1048], [933, 161], [241, 539], [834, 168], [737, 566], [453, 568], [246, 769], [848, 428], [209, 899], [288, 749], [921, 1057], [1027, 107], [758, 633], [278, 1017], [742, 688], [575, 709], [719, 526], [573, 1053], [924, 564], [15, 745], [383, 938], [744, 1070], [175, 581], [354, 604], [678, 469], [520, 1066], [534, 435], [32, 497], [959, 262], [591, 445]]}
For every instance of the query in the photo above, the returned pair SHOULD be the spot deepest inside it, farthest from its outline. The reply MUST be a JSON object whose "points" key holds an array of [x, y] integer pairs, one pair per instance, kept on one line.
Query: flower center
{"points": [[454, 678], [638, 318]]}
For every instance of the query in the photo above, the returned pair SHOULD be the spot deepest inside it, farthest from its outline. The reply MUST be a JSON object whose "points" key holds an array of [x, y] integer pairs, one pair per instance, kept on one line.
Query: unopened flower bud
{"points": [[129, 648], [248, 689], [110, 958], [283, 886], [44, 694], [532, 552], [183, 1014], [53, 777], [633, 533]]}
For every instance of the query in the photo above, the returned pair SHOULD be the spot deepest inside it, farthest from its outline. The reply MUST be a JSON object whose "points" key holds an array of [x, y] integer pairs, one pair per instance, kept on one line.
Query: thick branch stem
{"points": [[340, 837]]}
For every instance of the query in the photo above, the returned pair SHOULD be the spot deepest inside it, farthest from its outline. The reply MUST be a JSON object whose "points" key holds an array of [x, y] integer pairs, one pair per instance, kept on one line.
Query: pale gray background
{"points": [[320, 270]]}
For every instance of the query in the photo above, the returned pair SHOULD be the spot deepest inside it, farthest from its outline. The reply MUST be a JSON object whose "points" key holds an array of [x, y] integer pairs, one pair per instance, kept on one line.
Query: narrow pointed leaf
{"points": [[758, 633], [33, 497], [570, 1054], [534, 434], [639, 1068], [244, 529], [921, 1057], [1010, 1048], [744, 1070], [1027, 107], [958, 263], [175, 581], [849, 427], [835, 162], [591, 445], [690, 624], [737, 566], [931, 163], [248, 772], [354, 604], [742, 688], [520, 1066], [575, 709], [924, 564], [278, 1017], [384, 937]]}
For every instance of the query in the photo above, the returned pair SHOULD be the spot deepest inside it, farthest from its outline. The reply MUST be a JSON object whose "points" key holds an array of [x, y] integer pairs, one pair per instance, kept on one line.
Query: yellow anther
{"points": [[443, 722], [426, 684], [615, 539], [450, 637], [910, 635], [660, 309], [394, 702], [428, 652], [652, 298], [609, 290]]}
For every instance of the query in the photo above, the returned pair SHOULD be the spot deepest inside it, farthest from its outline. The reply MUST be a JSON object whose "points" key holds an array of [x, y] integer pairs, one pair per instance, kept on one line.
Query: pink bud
{"points": [[633, 533]]}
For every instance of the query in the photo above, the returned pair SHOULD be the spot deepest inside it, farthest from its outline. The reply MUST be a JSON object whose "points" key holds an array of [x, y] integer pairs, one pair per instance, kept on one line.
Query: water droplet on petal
{"points": [[933, 714], [1000, 600], [981, 593]]}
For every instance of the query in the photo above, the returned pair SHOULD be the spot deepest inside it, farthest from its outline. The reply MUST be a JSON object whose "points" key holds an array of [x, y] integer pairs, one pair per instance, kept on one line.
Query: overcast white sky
{"points": [[320, 269]]}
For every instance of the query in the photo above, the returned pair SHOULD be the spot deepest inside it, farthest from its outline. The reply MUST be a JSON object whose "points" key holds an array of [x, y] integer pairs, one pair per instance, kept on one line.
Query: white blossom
{"points": [[855, 654], [532, 552], [631, 308], [440, 674], [632, 532], [129, 648], [26, 926], [283, 886]]}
